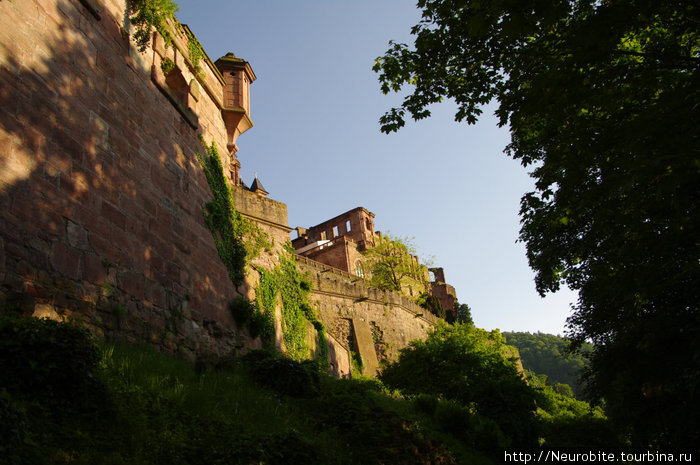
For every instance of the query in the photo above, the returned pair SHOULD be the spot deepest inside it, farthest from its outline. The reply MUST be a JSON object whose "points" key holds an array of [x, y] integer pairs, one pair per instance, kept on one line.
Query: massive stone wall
{"points": [[101, 193], [349, 307]]}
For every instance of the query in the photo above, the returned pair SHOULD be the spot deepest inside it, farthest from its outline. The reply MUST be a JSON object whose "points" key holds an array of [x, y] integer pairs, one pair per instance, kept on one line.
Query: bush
{"points": [[13, 430], [567, 422], [44, 358], [259, 323], [286, 376], [470, 366]]}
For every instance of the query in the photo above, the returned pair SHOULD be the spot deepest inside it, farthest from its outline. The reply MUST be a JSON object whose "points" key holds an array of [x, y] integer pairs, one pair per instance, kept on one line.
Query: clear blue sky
{"points": [[316, 146]]}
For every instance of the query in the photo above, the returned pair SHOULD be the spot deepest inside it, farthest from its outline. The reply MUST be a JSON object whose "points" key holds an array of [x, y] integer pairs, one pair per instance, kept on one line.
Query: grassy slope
{"points": [[158, 410]]}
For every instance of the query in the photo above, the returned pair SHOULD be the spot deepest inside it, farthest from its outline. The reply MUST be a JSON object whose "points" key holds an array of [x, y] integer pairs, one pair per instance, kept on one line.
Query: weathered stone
{"points": [[46, 311], [101, 191]]}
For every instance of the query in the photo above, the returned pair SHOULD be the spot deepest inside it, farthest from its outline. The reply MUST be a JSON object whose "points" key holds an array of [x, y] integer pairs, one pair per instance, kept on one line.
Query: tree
{"points": [[602, 100], [548, 354], [468, 365], [464, 313], [432, 304], [394, 265]]}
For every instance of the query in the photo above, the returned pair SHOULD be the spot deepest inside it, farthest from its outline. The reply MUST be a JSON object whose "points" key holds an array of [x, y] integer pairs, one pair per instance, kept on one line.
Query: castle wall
{"points": [[345, 301], [101, 193]]}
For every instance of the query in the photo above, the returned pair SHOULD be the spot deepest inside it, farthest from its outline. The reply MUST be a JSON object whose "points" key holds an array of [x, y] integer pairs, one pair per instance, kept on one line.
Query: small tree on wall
{"points": [[394, 266]]}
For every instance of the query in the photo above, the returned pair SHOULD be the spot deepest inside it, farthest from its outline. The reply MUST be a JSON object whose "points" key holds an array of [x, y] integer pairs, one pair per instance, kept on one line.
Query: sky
{"points": [[316, 146]]}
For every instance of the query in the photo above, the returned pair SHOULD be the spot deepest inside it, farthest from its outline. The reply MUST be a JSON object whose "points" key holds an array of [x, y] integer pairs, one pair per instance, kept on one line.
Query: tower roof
{"points": [[257, 186]]}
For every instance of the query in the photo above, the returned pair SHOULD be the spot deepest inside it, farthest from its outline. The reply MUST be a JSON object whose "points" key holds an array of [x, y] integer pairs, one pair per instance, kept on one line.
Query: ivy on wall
{"points": [[195, 51], [294, 288], [147, 15], [226, 224], [238, 241]]}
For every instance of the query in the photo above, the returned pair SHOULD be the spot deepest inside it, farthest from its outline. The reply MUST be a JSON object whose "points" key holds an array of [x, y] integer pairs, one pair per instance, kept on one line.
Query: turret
{"points": [[238, 75]]}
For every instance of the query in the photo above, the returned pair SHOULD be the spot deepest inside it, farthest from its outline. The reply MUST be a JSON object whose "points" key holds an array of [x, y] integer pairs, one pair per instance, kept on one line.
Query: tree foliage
{"points": [[146, 15], [463, 313], [394, 265], [432, 304], [602, 100], [547, 354], [470, 366]]}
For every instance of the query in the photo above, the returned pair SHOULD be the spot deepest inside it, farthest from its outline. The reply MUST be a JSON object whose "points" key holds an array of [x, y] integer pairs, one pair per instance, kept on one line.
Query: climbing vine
{"points": [[148, 14], [195, 51], [294, 289], [248, 315], [237, 239], [226, 224], [167, 65]]}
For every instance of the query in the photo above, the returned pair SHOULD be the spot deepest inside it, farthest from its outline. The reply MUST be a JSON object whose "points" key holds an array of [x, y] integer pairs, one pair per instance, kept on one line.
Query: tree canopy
{"points": [[602, 100], [394, 265], [471, 366], [547, 354]]}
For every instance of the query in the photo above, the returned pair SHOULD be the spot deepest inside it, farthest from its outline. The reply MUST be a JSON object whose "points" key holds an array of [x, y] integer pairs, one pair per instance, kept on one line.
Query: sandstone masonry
{"points": [[101, 193]]}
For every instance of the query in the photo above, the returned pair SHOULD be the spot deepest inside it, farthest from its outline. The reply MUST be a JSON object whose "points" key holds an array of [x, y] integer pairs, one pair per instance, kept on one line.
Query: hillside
{"points": [[66, 397], [547, 354]]}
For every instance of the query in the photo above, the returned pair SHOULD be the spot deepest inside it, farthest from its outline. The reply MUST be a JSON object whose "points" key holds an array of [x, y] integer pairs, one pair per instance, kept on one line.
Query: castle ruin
{"points": [[102, 193]]}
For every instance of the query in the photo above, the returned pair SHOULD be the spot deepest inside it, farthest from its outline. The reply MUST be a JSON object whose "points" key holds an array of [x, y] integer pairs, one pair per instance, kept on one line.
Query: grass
{"points": [[345, 422], [66, 399], [136, 406]]}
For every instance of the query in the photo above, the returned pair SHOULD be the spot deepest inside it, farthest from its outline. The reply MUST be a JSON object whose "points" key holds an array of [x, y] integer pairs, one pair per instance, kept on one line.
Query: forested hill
{"points": [[546, 354]]}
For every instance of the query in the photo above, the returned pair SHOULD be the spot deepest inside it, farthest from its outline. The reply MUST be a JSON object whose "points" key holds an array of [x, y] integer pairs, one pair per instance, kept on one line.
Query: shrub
{"points": [[468, 365], [286, 376], [56, 361]]}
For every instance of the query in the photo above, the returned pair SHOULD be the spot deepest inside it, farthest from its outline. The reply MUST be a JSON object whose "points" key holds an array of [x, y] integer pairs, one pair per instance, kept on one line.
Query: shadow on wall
{"points": [[100, 191]]}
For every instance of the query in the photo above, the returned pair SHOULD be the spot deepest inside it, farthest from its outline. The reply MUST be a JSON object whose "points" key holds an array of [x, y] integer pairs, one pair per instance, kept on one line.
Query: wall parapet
{"points": [[351, 287]]}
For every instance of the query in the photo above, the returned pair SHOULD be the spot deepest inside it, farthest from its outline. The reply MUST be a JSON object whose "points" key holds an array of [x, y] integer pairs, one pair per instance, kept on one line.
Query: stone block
{"points": [[113, 214], [65, 260], [46, 311], [77, 235], [95, 270], [132, 283], [365, 346]]}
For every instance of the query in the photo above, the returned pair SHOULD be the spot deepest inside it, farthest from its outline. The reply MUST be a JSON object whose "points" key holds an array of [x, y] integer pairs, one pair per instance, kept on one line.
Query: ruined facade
{"points": [[338, 242], [101, 192], [444, 292]]}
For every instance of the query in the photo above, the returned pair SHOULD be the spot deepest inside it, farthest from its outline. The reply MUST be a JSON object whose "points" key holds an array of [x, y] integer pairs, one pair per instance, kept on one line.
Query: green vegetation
{"points": [[167, 65], [463, 313], [146, 15], [238, 241], [293, 287], [549, 356], [394, 266], [569, 423], [259, 323], [468, 365], [466, 379], [65, 400], [601, 98], [431, 304], [226, 224], [195, 51]]}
